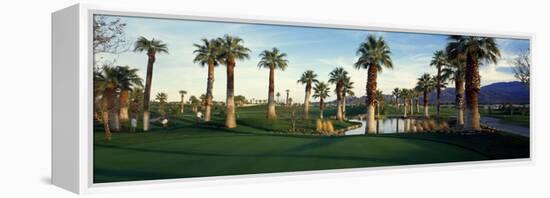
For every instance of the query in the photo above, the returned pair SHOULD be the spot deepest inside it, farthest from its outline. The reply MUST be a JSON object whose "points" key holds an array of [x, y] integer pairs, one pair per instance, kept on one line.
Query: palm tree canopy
{"points": [[338, 76], [161, 97], [374, 52], [321, 90], [182, 92], [425, 83], [439, 59], [483, 48], [348, 87], [151, 46], [395, 92], [273, 58], [308, 77], [105, 78], [208, 52], [232, 48], [127, 78]]}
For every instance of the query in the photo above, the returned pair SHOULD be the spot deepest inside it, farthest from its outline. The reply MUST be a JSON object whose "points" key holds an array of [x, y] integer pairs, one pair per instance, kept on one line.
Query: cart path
{"points": [[515, 129]]}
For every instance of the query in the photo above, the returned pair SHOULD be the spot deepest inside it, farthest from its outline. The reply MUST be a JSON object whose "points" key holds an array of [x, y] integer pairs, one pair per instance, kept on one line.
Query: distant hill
{"points": [[501, 92]]}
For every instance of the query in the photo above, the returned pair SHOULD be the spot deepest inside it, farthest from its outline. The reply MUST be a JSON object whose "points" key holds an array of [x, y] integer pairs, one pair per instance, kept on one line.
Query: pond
{"points": [[400, 125]]}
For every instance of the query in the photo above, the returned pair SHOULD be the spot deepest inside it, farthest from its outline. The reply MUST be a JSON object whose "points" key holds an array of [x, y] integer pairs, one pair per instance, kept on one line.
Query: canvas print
{"points": [[178, 98]]}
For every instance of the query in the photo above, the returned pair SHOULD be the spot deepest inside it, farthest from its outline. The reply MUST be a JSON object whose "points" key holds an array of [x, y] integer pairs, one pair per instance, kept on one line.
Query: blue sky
{"points": [[318, 49]]}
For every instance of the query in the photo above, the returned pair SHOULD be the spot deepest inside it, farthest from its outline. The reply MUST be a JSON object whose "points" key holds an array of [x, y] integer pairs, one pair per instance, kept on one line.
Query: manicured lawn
{"points": [[191, 149]]}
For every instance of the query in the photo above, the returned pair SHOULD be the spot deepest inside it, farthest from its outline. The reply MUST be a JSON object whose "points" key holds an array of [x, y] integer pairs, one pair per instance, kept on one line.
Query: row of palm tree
{"points": [[459, 63], [374, 55]]}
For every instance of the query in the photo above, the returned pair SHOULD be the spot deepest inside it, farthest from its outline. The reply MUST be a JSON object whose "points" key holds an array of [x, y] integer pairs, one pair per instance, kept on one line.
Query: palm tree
{"points": [[195, 102], [417, 92], [128, 79], [136, 96], [476, 50], [182, 101], [338, 76], [231, 50], [321, 91], [439, 60], [379, 102], [395, 94], [308, 77], [373, 54], [273, 60], [347, 91], [208, 54], [106, 83], [287, 92], [161, 97], [414, 100], [426, 84], [152, 47], [278, 95], [455, 72]]}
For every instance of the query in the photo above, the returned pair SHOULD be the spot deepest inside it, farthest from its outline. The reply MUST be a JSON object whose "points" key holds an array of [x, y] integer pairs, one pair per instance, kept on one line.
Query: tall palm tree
{"points": [[417, 91], [476, 50], [161, 97], [182, 101], [321, 91], [287, 92], [231, 50], [379, 102], [308, 77], [414, 100], [347, 91], [273, 60], [374, 54], [338, 76], [128, 79], [455, 72], [208, 54], [395, 93], [439, 60], [426, 84], [152, 47], [278, 95]]}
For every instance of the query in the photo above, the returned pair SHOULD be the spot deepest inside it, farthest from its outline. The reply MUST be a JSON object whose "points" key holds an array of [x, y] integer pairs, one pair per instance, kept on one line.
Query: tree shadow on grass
{"points": [[262, 155]]}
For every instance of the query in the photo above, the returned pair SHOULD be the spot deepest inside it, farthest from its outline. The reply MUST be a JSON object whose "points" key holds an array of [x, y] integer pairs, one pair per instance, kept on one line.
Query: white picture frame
{"points": [[72, 140]]}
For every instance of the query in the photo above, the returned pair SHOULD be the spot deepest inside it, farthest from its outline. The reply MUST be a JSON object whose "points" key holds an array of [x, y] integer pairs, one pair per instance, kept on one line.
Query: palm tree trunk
{"points": [[371, 97], [437, 104], [182, 104], [405, 108], [411, 105], [106, 105], [230, 118], [339, 102], [344, 105], [271, 114], [124, 105], [426, 112], [209, 87], [321, 108], [378, 110], [418, 104], [472, 92], [459, 87], [147, 91], [113, 114], [306, 101]]}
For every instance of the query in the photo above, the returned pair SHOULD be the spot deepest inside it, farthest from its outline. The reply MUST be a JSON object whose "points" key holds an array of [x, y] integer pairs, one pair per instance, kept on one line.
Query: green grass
{"points": [[193, 149]]}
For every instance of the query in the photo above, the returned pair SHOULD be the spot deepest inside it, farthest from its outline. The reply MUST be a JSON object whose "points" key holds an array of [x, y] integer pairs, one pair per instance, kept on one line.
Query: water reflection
{"points": [[401, 125]]}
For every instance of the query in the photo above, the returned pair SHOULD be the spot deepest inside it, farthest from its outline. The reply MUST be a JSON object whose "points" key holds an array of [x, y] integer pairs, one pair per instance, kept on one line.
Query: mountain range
{"points": [[496, 93]]}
